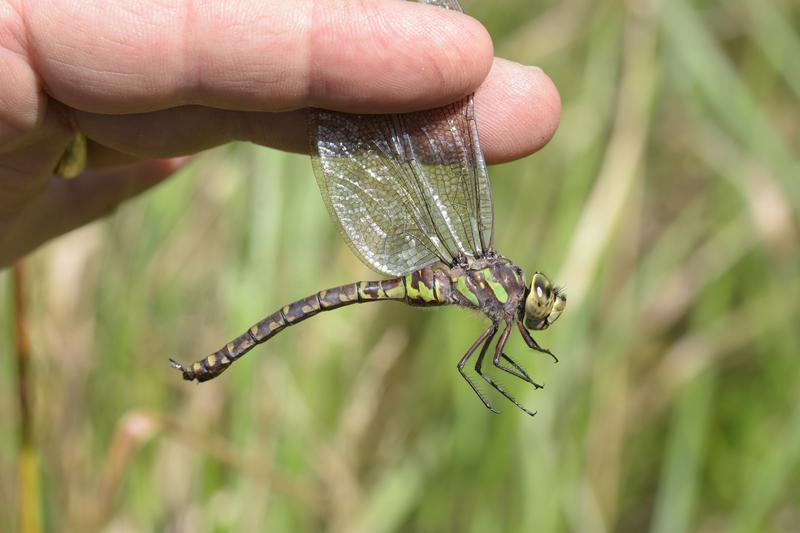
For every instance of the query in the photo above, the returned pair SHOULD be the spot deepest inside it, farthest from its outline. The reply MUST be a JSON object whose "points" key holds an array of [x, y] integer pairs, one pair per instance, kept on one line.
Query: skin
{"points": [[151, 82]]}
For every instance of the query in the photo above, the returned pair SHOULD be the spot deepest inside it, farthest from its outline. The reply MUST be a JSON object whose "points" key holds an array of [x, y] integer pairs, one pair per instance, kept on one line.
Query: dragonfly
{"points": [[410, 194]]}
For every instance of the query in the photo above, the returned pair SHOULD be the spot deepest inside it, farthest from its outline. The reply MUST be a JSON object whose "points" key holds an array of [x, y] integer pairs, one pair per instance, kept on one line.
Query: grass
{"points": [[668, 203]]}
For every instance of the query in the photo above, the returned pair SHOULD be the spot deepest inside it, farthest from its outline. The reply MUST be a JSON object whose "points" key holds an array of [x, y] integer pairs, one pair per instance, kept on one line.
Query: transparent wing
{"points": [[406, 190]]}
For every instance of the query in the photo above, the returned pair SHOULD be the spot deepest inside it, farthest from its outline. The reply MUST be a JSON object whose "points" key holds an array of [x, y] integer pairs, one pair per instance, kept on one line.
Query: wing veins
{"points": [[423, 185], [471, 187], [435, 146], [417, 214]]}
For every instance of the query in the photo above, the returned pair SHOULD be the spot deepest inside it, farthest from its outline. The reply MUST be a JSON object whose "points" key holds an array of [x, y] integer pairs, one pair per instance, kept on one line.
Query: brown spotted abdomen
{"points": [[360, 292]]}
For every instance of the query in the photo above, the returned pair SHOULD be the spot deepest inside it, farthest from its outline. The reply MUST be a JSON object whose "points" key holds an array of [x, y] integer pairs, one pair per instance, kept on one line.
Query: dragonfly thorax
{"points": [[492, 284]]}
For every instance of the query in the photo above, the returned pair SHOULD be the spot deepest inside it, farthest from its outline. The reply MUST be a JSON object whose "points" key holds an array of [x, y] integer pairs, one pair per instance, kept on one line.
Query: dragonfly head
{"points": [[544, 303]]}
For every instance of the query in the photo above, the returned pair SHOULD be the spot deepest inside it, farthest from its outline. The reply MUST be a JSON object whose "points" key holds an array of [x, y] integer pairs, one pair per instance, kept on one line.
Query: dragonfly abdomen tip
{"points": [[188, 375]]}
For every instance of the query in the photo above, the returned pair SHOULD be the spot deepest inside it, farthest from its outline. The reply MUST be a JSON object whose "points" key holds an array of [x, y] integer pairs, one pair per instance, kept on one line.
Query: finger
{"points": [[190, 129], [68, 204], [518, 111], [24, 171], [102, 157], [130, 56]]}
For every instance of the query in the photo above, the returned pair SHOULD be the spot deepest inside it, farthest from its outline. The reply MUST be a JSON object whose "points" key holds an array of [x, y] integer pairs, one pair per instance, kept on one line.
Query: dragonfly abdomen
{"points": [[326, 300], [427, 286]]}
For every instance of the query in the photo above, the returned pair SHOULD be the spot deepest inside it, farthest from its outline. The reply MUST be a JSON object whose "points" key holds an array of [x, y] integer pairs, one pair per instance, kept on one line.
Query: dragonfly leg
{"points": [[485, 339], [499, 350], [517, 371], [531, 342]]}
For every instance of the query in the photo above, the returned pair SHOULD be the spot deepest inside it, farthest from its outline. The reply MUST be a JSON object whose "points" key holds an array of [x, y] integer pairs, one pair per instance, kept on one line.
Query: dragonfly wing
{"points": [[448, 158], [406, 190], [361, 181]]}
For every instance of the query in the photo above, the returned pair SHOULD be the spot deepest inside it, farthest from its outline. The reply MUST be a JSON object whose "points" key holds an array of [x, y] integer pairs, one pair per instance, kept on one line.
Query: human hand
{"points": [[149, 81]]}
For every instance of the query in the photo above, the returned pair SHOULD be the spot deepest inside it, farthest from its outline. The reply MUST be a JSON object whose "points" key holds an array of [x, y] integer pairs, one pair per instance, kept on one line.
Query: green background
{"points": [[667, 204]]}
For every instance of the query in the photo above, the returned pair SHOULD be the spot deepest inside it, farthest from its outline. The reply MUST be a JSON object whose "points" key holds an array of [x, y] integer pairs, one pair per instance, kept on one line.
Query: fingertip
{"points": [[518, 110], [464, 51], [548, 107]]}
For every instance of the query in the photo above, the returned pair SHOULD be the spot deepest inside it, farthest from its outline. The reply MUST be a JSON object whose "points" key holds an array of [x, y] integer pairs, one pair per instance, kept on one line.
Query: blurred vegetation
{"points": [[667, 203]]}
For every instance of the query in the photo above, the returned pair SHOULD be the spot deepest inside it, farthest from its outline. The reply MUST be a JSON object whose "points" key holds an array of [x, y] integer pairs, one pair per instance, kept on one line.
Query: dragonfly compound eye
{"points": [[559, 304], [540, 308]]}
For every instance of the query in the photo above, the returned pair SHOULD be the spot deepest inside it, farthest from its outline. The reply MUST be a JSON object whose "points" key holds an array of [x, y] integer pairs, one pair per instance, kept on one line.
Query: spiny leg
{"points": [[499, 350], [519, 373], [485, 338], [531, 342]]}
